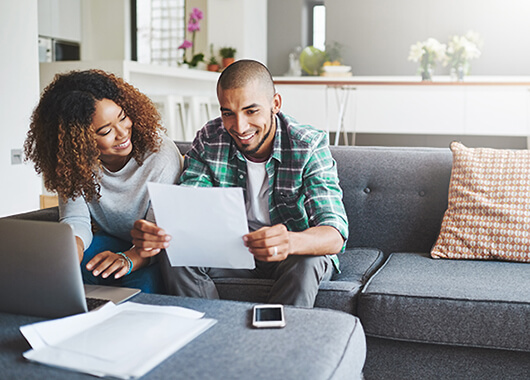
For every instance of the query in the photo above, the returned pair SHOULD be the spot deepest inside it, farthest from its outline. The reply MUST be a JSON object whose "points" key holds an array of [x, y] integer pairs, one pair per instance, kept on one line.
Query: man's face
{"points": [[248, 116]]}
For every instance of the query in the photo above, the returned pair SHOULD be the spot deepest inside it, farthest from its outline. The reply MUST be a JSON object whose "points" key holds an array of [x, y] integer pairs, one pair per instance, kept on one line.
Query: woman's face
{"points": [[113, 130]]}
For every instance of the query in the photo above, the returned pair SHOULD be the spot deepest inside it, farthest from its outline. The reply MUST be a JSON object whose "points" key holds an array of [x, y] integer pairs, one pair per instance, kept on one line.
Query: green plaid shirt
{"points": [[304, 187]]}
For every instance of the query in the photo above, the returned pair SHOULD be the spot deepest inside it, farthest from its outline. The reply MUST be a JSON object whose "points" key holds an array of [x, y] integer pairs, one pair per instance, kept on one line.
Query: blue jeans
{"points": [[148, 279]]}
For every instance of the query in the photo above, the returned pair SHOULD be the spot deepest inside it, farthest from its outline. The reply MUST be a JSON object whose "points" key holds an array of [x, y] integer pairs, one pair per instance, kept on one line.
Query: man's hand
{"points": [[276, 243], [269, 243], [148, 238]]}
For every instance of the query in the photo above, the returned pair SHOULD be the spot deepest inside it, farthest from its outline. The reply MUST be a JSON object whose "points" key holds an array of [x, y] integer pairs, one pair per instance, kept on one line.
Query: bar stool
{"points": [[342, 94], [201, 110], [175, 115]]}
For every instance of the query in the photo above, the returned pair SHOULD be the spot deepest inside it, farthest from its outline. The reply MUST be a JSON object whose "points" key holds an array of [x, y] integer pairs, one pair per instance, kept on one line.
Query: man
{"points": [[293, 199]]}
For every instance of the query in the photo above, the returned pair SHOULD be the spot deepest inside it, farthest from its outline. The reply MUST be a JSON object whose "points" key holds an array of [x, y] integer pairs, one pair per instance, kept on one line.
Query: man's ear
{"points": [[276, 103]]}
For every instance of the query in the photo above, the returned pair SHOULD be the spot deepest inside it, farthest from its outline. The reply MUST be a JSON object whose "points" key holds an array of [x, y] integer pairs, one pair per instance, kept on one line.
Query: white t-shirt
{"points": [[257, 195]]}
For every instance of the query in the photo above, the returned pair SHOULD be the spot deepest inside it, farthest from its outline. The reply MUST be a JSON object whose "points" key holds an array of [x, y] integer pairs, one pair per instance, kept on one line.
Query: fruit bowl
{"points": [[336, 69]]}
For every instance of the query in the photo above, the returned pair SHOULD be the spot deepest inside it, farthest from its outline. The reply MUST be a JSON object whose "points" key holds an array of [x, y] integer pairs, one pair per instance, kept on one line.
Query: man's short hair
{"points": [[244, 71]]}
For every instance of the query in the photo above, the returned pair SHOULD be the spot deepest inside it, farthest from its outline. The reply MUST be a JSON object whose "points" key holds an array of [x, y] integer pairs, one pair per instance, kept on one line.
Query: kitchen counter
{"points": [[404, 81], [479, 105]]}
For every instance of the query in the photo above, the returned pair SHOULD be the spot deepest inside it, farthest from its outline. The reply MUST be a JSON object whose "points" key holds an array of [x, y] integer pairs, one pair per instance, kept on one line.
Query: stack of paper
{"points": [[124, 341]]}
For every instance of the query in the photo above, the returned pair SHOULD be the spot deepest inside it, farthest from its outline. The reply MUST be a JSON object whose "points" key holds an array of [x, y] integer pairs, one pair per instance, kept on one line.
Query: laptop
{"points": [[40, 273]]}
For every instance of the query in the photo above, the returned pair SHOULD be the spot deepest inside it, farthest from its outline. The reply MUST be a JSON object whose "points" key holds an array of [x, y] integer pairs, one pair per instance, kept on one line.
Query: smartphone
{"points": [[268, 316]]}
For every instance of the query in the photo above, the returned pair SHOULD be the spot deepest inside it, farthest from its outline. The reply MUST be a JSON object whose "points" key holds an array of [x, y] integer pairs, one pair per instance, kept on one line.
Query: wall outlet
{"points": [[16, 156]]}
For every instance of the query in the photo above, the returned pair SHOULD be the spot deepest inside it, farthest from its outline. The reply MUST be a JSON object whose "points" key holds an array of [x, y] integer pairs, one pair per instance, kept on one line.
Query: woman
{"points": [[97, 142]]}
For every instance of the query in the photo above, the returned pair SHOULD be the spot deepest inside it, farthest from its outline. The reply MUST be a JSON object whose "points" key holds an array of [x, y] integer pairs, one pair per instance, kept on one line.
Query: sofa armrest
{"points": [[358, 264]]}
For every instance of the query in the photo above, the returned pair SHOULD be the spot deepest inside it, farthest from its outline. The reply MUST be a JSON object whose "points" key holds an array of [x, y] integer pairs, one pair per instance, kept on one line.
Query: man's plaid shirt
{"points": [[304, 187]]}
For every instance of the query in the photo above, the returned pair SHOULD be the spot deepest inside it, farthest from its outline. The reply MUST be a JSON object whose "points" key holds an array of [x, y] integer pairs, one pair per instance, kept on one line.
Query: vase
{"points": [[457, 73], [426, 73]]}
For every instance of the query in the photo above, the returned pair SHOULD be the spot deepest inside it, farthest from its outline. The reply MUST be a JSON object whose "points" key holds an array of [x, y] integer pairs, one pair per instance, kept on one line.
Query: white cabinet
{"points": [[414, 110], [60, 19], [307, 104], [497, 111]]}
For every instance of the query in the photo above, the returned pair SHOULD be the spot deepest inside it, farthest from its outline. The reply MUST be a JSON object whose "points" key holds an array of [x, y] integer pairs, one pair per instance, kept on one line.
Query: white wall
{"points": [[286, 31], [106, 28], [377, 34], [19, 76], [241, 24]]}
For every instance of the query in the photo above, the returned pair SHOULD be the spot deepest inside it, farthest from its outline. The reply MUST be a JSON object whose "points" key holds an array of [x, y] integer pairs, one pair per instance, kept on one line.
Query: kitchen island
{"points": [[477, 106]]}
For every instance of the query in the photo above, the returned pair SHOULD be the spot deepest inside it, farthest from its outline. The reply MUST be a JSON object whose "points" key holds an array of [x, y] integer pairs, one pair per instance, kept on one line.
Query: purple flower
{"points": [[193, 26], [197, 14], [186, 44]]}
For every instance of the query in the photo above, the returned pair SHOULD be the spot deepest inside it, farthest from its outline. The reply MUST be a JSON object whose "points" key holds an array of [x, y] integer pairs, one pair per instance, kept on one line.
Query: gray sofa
{"points": [[423, 317]]}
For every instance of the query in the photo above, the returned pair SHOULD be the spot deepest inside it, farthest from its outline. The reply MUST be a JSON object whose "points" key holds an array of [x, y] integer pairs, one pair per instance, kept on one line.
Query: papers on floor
{"points": [[124, 341], [207, 225]]}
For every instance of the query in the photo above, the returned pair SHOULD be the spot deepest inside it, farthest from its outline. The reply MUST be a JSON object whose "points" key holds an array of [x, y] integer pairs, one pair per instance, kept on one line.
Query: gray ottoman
{"points": [[315, 344]]}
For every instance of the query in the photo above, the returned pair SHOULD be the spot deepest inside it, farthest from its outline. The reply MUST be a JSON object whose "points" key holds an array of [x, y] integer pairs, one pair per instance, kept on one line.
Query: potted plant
{"points": [[228, 55], [213, 63]]}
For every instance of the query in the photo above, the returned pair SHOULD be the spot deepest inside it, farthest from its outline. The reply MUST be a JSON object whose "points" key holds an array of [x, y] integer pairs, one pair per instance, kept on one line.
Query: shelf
{"points": [[150, 79]]}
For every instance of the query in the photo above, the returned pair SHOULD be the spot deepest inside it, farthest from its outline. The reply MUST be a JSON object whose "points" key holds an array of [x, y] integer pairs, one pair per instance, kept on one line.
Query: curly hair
{"points": [[61, 142]]}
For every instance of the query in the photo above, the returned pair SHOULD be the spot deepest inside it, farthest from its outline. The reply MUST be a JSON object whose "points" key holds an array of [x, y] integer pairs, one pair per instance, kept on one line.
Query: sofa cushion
{"points": [[341, 293], [488, 216], [395, 198], [475, 303], [391, 359]]}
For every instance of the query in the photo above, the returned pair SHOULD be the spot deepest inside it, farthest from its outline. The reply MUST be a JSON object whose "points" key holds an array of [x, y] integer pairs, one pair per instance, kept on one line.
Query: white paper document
{"points": [[207, 225], [124, 341]]}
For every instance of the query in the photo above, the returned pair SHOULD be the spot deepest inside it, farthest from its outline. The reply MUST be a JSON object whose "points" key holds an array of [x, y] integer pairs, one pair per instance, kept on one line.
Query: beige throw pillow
{"points": [[488, 213]]}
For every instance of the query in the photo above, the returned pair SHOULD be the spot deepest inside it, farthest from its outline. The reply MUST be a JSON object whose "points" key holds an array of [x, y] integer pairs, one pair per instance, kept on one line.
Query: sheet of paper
{"points": [[207, 225], [54, 331], [103, 344]]}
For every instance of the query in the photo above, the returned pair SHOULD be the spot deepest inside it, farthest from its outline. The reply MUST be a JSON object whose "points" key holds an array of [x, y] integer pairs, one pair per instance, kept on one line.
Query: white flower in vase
{"points": [[460, 50], [428, 53]]}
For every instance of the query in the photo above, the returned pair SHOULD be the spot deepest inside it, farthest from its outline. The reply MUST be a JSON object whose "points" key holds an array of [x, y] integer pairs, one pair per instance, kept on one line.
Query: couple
{"points": [[294, 203]]}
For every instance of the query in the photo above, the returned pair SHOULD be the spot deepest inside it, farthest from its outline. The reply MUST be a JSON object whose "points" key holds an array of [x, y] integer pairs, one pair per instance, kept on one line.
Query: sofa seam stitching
{"points": [[447, 343]]}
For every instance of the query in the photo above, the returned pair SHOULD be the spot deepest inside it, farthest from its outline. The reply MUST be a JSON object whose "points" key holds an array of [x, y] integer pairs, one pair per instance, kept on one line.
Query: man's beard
{"points": [[250, 152]]}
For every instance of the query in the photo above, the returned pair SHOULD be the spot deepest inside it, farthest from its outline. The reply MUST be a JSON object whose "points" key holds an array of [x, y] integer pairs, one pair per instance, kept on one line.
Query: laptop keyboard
{"points": [[94, 303]]}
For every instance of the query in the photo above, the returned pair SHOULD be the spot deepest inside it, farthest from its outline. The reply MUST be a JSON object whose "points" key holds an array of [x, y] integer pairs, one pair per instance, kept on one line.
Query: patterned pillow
{"points": [[488, 213]]}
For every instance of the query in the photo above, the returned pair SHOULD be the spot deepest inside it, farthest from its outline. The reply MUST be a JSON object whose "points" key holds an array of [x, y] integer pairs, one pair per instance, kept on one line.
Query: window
{"points": [[317, 23], [158, 29]]}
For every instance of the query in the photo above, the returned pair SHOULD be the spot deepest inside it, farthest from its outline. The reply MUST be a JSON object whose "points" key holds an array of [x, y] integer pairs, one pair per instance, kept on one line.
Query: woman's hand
{"points": [[106, 263], [148, 238]]}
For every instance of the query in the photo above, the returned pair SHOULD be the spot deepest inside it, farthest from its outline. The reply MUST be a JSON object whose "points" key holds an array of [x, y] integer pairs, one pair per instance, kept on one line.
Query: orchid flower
{"points": [[185, 45], [193, 26]]}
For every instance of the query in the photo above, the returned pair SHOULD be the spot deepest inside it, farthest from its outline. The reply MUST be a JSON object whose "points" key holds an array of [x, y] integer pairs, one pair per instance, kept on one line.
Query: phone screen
{"points": [[268, 314]]}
